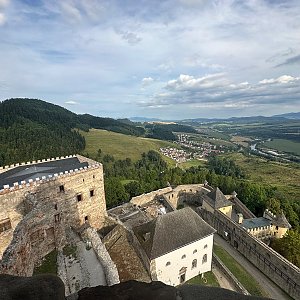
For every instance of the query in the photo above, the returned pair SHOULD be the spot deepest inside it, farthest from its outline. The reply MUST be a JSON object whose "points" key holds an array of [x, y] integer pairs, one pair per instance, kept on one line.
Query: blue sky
{"points": [[167, 59]]}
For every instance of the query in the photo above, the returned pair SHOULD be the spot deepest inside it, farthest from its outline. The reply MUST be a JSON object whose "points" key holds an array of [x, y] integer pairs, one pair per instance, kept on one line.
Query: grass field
{"points": [[284, 176], [208, 280], [192, 163], [121, 146], [250, 284], [284, 145], [48, 265]]}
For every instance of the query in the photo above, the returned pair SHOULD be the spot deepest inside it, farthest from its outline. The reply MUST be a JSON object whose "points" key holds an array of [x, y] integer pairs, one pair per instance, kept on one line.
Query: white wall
{"points": [[170, 274]]}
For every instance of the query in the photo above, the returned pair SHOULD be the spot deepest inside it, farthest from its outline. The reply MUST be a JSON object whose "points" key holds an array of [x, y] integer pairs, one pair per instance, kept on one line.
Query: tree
{"points": [[289, 246]]}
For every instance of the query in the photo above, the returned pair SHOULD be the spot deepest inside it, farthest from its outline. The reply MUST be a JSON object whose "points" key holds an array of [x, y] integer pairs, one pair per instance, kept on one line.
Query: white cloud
{"points": [[281, 79], [2, 18], [147, 81], [71, 102], [219, 90], [4, 3]]}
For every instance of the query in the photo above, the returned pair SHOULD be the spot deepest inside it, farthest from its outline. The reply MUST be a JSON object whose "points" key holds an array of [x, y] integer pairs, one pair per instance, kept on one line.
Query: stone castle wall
{"points": [[145, 198], [277, 268], [52, 204]]}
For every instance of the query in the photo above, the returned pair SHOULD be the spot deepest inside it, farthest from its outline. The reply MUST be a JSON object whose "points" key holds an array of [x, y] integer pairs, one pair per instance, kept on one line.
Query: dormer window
{"points": [[168, 264], [183, 256]]}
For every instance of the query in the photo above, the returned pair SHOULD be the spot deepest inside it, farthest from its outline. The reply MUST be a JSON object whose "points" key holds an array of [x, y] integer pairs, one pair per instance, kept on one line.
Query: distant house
{"points": [[216, 200], [269, 225], [178, 246]]}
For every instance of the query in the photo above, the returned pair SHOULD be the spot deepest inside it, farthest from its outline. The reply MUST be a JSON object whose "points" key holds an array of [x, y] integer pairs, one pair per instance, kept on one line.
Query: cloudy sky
{"points": [[154, 58]]}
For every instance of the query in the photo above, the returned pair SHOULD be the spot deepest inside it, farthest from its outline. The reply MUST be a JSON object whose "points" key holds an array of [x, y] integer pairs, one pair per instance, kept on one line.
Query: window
{"points": [[5, 225], [205, 246], [204, 259], [92, 193], [83, 180], [183, 256], [195, 251], [57, 218], [61, 188], [168, 263], [94, 176], [55, 206], [194, 263], [86, 218], [79, 197], [276, 227]]}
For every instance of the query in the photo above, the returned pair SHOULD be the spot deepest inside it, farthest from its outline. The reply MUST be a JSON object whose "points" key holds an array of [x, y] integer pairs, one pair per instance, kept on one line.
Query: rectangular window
{"points": [[57, 218], [92, 193], [79, 197], [61, 188], [5, 225]]}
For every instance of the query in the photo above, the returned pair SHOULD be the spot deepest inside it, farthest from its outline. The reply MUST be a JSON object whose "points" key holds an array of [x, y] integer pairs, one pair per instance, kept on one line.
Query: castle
{"points": [[39, 201]]}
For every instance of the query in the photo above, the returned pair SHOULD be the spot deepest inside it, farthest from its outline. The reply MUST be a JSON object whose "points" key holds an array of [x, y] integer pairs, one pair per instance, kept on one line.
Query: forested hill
{"points": [[34, 129]]}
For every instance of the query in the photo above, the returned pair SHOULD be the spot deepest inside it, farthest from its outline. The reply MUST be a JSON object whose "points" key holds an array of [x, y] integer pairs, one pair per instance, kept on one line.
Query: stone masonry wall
{"points": [[110, 269], [64, 205], [277, 268], [145, 198], [49, 205]]}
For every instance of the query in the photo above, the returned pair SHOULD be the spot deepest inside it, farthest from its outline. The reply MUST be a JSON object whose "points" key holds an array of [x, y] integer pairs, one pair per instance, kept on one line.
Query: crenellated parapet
{"points": [[9, 167], [44, 179]]}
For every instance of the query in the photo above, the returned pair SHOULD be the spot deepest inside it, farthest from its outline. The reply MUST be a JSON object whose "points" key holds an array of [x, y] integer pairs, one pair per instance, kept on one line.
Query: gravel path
{"points": [[222, 279], [269, 286]]}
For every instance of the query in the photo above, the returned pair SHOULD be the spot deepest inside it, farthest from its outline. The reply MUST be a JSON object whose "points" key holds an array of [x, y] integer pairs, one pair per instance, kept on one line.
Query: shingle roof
{"points": [[172, 231], [281, 221], [26, 172], [256, 223], [217, 199]]}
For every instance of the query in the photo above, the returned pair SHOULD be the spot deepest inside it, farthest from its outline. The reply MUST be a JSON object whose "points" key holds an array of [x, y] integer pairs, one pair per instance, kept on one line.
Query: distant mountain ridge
{"points": [[281, 117]]}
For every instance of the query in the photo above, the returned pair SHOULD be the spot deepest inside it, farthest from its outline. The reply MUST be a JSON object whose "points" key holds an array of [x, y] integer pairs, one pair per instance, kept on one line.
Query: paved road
{"points": [[269, 286]]}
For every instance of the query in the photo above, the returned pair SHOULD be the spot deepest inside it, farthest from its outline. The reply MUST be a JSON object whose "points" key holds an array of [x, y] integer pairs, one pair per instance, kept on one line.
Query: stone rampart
{"points": [[145, 198], [110, 269], [276, 267], [234, 281]]}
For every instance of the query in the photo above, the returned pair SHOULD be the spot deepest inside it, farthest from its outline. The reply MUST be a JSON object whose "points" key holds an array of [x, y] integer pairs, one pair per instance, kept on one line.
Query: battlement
{"points": [[9, 167], [37, 181]]}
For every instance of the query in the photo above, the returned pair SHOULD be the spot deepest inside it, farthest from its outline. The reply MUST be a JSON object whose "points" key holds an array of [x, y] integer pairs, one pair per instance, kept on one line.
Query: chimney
{"points": [[240, 218], [234, 194]]}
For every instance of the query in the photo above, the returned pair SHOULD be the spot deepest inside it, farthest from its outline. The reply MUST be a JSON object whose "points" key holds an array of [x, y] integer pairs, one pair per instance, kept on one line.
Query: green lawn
{"points": [[209, 279], [284, 176], [120, 145], [284, 146], [249, 282], [192, 163], [49, 264]]}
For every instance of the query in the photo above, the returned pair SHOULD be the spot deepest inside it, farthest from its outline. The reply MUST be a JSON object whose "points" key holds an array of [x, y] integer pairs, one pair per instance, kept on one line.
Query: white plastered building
{"points": [[178, 245]]}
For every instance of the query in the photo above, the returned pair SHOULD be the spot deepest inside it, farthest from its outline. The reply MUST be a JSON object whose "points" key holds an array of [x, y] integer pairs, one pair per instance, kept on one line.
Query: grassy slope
{"points": [[121, 146], [251, 285], [284, 176], [210, 280], [284, 145]]}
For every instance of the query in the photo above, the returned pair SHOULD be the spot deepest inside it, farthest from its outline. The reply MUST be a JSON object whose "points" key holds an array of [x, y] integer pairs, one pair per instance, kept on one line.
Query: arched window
{"points": [[204, 259], [183, 256], [168, 263], [194, 263], [195, 251]]}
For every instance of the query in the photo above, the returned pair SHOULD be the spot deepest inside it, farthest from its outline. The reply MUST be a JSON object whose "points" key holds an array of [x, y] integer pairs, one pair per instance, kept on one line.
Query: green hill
{"points": [[34, 129], [119, 145]]}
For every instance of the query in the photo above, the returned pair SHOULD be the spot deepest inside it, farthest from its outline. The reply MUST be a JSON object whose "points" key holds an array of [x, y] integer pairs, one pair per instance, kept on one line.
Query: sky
{"points": [[172, 59]]}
